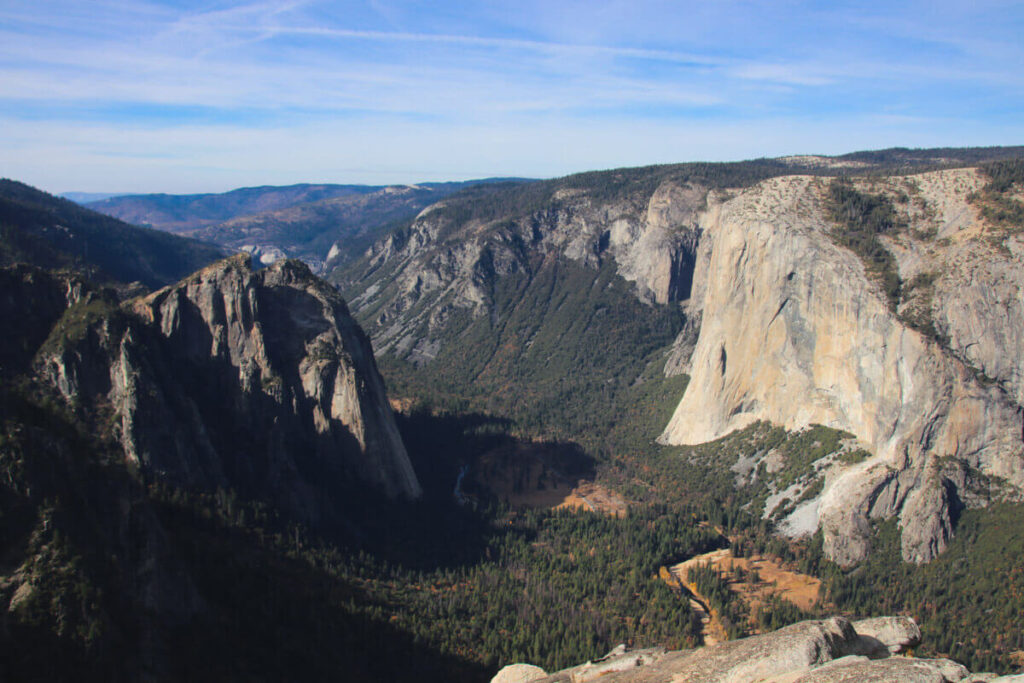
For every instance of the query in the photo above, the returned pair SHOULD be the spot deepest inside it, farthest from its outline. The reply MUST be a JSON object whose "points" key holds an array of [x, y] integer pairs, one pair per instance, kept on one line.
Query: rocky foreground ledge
{"points": [[827, 651]]}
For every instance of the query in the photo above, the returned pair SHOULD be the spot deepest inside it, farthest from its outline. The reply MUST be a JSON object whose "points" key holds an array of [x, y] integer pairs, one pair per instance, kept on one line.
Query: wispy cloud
{"points": [[788, 74], [282, 87], [488, 43]]}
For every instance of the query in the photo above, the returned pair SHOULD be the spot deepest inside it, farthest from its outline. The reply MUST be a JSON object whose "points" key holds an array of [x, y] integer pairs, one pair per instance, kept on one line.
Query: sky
{"points": [[191, 96]]}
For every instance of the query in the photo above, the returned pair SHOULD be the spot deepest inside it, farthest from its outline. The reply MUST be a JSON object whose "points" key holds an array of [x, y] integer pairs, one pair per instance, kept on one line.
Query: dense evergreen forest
{"points": [[966, 601]]}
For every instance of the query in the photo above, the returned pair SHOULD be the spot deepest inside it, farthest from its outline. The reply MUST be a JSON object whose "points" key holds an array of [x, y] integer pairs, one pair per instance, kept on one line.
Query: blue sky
{"points": [[189, 96]]}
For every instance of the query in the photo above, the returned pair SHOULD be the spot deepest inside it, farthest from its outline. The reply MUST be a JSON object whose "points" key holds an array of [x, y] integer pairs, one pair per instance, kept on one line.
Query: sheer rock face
{"points": [[826, 651], [442, 264], [253, 380], [793, 332]]}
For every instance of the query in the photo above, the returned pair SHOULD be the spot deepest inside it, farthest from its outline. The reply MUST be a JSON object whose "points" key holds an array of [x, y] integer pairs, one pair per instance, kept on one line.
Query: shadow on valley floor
{"points": [[473, 456], [294, 616], [469, 466]]}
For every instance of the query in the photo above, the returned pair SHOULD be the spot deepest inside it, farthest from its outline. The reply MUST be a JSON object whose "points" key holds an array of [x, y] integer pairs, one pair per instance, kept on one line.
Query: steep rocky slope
{"points": [[257, 381], [328, 231], [643, 222], [91, 583], [34, 299]]}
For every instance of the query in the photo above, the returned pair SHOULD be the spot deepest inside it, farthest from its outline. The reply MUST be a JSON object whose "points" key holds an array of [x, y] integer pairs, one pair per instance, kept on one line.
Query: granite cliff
{"points": [[233, 378], [172, 463], [795, 332], [450, 258]]}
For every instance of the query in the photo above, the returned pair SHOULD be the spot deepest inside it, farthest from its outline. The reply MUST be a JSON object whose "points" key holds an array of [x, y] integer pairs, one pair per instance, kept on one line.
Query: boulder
{"points": [[519, 673], [882, 636]]}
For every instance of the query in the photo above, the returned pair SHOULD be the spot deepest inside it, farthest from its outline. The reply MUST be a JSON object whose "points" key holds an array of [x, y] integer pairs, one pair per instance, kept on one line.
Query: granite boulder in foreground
{"points": [[823, 651]]}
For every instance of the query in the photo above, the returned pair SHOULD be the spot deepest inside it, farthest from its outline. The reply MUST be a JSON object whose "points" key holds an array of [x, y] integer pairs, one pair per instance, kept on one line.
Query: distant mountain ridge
{"points": [[50, 232], [181, 213], [86, 197], [329, 225], [313, 222]]}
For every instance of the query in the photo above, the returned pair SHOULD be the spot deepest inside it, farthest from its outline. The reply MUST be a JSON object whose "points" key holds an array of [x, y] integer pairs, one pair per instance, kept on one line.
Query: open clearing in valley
{"points": [[772, 579]]}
